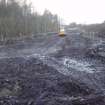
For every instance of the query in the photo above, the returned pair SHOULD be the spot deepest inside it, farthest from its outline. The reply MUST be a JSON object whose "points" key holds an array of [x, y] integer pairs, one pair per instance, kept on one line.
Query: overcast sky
{"points": [[80, 11]]}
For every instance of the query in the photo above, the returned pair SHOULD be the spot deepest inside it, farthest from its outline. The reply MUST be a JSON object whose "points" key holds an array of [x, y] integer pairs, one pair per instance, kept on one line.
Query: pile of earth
{"points": [[30, 82]]}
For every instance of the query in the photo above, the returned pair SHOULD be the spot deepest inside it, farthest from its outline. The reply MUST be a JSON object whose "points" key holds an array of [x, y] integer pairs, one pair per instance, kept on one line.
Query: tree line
{"points": [[18, 19]]}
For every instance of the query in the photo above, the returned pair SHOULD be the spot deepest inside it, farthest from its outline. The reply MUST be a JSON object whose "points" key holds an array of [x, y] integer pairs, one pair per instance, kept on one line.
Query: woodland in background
{"points": [[20, 19]]}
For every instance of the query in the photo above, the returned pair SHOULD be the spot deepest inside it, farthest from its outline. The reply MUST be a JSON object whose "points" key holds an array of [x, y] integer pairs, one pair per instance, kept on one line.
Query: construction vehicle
{"points": [[62, 33]]}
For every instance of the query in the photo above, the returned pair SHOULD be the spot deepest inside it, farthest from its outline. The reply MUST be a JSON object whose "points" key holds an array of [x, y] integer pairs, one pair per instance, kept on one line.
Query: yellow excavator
{"points": [[62, 33]]}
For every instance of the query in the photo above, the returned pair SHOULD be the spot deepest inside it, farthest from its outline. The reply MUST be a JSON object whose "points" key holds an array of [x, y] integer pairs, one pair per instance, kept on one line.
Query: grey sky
{"points": [[80, 11]]}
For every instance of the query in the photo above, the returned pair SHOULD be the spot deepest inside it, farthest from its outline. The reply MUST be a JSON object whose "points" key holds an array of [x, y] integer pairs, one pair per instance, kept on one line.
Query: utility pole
{"points": [[25, 16]]}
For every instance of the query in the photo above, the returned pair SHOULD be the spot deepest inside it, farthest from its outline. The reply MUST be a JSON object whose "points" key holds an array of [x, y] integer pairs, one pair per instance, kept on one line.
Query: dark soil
{"points": [[30, 82]]}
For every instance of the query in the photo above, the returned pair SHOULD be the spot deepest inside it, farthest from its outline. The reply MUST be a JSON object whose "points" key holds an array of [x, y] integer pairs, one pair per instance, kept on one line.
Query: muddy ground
{"points": [[50, 70]]}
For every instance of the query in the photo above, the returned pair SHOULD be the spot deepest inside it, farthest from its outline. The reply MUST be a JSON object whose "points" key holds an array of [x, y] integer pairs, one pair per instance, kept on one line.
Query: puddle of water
{"points": [[78, 65]]}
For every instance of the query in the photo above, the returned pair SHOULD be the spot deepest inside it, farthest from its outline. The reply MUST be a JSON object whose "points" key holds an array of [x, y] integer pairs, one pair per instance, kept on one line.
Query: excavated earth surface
{"points": [[51, 71]]}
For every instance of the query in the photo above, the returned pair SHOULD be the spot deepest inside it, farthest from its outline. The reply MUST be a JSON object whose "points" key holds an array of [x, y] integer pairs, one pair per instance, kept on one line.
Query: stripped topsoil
{"points": [[30, 82]]}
